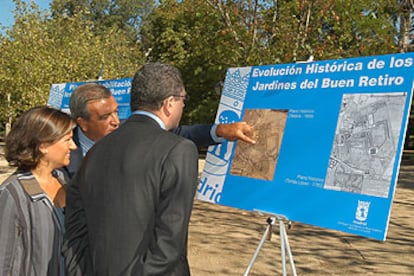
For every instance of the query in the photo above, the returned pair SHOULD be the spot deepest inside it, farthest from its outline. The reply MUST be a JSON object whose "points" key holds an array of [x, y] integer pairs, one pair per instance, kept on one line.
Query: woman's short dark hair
{"points": [[34, 127]]}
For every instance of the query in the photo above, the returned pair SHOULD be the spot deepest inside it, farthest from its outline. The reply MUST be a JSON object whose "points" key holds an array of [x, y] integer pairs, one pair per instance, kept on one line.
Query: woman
{"points": [[31, 200]]}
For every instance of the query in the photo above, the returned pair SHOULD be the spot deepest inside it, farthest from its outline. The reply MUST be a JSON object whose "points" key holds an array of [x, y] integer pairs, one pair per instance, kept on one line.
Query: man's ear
{"points": [[167, 106], [82, 123]]}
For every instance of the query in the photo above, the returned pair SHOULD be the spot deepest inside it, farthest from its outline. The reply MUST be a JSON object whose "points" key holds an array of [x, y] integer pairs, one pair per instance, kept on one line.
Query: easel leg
{"points": [[270, 222], [292, 263], [284, 247]]}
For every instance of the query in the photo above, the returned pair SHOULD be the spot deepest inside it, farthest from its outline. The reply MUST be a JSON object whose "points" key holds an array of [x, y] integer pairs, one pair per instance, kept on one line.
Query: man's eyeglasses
{"points": [[185, 97]]}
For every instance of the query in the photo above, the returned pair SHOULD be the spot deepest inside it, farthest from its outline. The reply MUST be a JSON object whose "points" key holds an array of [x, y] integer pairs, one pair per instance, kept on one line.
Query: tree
{"points": [[40, 50], [204, 38], [405, 25], [21, 66], [126, 15], [201, 37]]}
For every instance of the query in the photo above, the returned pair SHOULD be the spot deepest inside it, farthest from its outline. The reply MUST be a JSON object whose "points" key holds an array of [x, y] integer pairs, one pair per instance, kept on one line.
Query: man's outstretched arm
{"points": [[202, 135]]}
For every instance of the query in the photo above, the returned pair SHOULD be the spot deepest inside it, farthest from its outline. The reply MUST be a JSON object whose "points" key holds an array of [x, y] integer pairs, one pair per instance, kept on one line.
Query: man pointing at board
{"points": [[129, 205]]}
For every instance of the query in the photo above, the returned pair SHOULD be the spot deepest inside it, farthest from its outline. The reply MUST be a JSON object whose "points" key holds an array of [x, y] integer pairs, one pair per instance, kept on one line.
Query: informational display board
{"points": [[329, 141], [60, 94]]}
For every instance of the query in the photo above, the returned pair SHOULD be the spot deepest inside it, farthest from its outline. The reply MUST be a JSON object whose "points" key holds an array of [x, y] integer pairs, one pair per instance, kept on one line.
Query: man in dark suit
{"points": [[96, 113], [129, 204]]}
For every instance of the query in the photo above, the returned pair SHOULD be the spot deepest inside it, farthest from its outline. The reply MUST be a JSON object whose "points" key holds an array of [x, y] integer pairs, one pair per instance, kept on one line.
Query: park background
{"points": [[83, 40]]}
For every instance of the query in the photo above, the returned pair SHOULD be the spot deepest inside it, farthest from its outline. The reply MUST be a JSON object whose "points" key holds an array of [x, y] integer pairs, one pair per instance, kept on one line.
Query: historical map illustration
{"points": [[259, 160], [365, 145]]}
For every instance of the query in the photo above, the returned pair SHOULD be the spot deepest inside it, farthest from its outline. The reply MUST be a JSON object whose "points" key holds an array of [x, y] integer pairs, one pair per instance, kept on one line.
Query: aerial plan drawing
{"points": [[365, 144]]}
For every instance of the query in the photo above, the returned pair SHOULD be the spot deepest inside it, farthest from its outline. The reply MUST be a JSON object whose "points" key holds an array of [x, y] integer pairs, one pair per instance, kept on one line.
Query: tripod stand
{"points": [[284, 244]]}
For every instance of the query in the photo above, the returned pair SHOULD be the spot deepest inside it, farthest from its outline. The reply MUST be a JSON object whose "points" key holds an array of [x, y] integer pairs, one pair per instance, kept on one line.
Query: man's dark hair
{"points": [[84, 94], [153, 83]]}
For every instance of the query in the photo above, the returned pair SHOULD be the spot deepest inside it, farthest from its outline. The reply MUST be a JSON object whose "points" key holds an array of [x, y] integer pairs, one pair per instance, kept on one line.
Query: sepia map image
{"points": [[259, 160], [365, 145]]}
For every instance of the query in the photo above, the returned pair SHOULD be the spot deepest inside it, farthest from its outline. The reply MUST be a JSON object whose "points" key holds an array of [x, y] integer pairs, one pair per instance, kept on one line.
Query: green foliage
{"points": [[123, 14], [201, 37], [22, 62], [205, 37], [40, 50]]}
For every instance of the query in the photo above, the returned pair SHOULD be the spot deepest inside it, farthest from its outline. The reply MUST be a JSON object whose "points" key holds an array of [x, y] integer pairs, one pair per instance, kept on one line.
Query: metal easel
{"points": [[284, 243]]}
